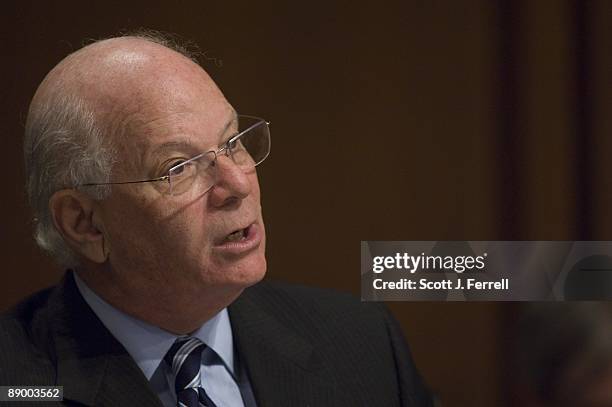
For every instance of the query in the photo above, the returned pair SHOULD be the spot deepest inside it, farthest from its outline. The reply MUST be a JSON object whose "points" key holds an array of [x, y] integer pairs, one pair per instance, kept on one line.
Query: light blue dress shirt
{"points": [[148, 344]]}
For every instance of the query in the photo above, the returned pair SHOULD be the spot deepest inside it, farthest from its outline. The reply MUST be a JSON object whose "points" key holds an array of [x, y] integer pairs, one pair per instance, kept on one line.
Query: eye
{"points": [[231, 144], [175, 163], [178, 170], [171, 163], [174, 167], [185, 170]]}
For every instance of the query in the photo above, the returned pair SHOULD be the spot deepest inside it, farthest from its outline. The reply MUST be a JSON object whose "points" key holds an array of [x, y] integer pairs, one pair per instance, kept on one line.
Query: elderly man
{"points": [[142, 178]]}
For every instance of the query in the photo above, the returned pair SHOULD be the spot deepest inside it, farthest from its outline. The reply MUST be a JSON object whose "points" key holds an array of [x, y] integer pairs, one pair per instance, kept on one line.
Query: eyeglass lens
{"points": [[249, 149]]}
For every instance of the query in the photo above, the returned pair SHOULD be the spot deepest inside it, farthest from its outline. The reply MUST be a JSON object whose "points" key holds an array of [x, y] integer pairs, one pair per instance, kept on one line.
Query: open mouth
{"points": [[237, 235], [240, 241]]}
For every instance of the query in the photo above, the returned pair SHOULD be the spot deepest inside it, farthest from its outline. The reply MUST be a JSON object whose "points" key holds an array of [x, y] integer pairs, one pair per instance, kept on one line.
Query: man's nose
{"points": [[231, 182]]}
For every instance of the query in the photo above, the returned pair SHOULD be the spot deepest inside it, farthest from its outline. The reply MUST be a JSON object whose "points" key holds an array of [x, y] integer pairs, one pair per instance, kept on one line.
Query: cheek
{"points": [[130, 234], [141, 232], [188, 234]]}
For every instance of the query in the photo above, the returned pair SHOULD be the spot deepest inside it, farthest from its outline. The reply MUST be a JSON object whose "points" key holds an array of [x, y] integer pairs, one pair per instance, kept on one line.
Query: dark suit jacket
{"points": [[300, 346]]}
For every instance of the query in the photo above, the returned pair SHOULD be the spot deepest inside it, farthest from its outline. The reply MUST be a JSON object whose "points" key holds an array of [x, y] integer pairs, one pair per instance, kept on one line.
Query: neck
{"points": [[178, 314]]}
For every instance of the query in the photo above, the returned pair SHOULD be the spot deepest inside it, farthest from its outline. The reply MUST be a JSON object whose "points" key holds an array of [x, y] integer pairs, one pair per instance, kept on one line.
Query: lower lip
{"points": [[251, 242]]}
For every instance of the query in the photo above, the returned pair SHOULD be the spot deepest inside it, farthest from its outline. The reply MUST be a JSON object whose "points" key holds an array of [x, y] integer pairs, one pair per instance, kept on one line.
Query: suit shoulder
{"points": [[326, 304], [28, 311], [348, 335], [304, 295], [24, 340]]}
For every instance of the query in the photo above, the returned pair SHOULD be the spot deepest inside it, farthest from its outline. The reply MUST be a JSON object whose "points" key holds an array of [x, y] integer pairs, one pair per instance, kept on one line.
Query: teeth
{"points": [[237, 235]]}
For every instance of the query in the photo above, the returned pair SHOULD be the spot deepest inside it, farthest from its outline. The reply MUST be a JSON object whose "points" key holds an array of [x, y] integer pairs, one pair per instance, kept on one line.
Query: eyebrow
{"points": [[186, 145]]}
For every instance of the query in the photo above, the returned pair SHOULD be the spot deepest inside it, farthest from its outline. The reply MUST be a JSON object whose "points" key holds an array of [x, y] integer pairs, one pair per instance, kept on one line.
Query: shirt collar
{"points": [[148, 344]]}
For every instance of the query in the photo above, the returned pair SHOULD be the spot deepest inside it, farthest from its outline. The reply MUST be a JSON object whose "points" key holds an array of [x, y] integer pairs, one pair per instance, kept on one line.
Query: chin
{"points": [[240, 273], [252, 272]]}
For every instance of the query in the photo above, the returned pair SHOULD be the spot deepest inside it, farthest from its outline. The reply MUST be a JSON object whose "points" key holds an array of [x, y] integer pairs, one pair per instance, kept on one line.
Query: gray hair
{"points": [[65, 146]]}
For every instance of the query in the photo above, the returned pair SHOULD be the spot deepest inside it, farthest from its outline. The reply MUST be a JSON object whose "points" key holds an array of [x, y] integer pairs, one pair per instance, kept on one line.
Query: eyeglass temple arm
{"points": [[158, 179]]}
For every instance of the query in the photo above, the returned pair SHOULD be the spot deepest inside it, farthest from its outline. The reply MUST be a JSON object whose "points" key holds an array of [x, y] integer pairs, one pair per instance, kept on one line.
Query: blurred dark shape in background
{"points": [[563, 355], [589, 279]]}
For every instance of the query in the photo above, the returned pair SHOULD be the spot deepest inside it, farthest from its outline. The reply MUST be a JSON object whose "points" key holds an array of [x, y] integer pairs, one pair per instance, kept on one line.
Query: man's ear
{"points": [[76, 218]]}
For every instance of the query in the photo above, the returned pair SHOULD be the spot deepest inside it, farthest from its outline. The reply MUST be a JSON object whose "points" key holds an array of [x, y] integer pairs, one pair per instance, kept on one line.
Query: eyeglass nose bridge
{"points": [[223, 151], [213, 163]]}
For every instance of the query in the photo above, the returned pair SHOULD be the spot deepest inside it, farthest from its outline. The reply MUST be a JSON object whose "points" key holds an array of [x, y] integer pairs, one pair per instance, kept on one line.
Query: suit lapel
{"points": [[283, 367], [93, 367]]}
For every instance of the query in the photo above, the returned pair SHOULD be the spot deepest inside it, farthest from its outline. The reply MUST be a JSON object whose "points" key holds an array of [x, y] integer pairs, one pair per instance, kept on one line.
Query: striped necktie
{"points": [[185, 358]]}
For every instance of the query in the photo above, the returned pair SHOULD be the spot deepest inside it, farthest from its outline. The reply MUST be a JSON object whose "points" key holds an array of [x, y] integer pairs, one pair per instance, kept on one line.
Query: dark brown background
{"points": [[391, 120]]}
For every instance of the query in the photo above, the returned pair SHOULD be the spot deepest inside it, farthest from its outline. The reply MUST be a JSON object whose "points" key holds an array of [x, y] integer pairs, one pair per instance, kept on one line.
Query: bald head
{"points": [[85, 111], [115, 76]]}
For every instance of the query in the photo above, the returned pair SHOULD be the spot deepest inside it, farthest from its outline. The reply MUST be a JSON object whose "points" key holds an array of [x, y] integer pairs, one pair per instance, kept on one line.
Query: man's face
{"points": [[169, 244]]}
